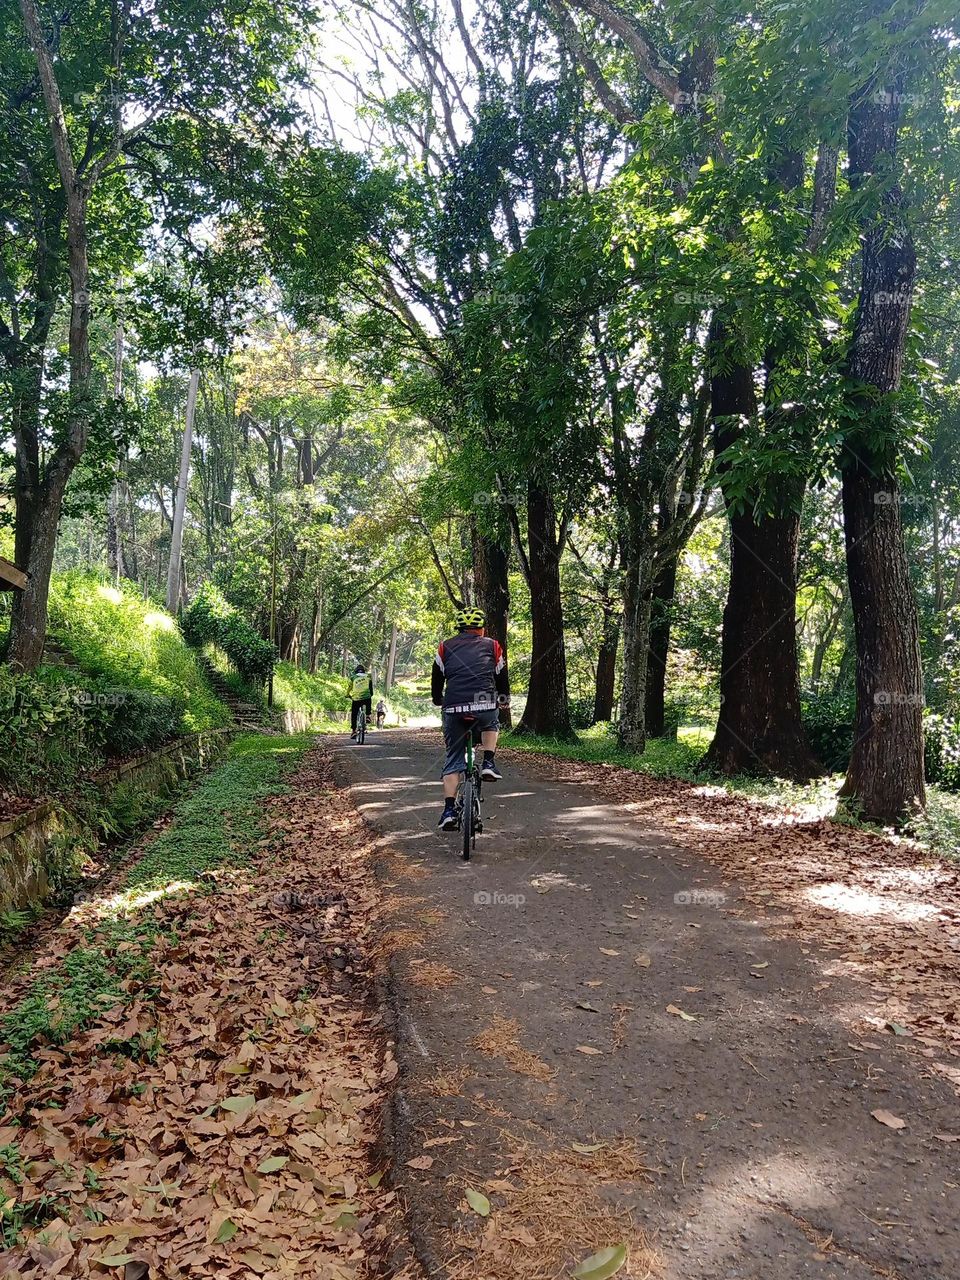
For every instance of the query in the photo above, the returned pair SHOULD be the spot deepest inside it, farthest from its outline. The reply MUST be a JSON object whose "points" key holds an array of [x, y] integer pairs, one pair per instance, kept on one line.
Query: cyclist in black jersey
{"points": [[469, 681]]}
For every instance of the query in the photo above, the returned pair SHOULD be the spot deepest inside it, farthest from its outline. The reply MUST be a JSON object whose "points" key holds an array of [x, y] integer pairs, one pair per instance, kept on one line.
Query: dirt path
{"points": [[586, 980]]}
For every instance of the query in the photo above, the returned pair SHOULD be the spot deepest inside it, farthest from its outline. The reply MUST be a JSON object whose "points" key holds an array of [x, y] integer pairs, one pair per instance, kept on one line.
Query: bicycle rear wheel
{"points": [[361, 726], [467, 817]]}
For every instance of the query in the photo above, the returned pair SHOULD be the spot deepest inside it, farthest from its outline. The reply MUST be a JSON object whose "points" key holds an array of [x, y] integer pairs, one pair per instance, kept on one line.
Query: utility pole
{"points": [[180, 506]]}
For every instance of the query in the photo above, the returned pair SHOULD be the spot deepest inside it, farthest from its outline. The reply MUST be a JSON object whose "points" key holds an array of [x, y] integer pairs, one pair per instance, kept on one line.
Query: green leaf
{"points": [[603, 1264], [116, 1259], [478, 1202], [228, 1230], [272, 1164], [239, 1104]]}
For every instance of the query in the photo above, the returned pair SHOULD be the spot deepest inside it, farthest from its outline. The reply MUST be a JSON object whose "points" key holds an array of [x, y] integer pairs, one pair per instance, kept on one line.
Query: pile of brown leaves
{"points": [[542, 1201], [244, 1148]]}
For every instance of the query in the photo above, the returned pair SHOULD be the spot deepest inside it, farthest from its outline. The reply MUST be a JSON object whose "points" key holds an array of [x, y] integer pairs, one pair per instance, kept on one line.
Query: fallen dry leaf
{"points": [[679, 1013], [889, 1119]]}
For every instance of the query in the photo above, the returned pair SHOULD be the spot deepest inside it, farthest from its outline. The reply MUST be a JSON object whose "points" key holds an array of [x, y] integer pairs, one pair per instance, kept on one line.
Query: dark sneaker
{"points": [[448, 819], [489, 771]]}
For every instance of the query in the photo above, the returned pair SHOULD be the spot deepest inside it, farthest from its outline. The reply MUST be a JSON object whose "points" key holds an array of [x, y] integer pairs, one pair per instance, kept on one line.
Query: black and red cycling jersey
{"points": [[469, 673]]}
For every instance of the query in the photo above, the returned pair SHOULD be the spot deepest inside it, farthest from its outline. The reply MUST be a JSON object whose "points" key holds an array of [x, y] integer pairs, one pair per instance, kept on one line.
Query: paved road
{"points": [[755, 1116]]}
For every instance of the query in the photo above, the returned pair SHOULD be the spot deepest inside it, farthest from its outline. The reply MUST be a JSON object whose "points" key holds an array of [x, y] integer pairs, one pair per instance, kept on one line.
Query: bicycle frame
{"points": [[471, 797]]}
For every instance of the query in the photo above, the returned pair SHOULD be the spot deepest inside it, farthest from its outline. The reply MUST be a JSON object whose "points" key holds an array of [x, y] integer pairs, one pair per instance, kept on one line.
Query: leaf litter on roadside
{"points": [[157, 1154], [551, 1216]]}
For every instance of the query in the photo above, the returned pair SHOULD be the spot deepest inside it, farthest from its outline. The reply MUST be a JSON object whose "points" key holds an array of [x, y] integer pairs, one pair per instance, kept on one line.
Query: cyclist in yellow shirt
{"points": [[361, 695]]}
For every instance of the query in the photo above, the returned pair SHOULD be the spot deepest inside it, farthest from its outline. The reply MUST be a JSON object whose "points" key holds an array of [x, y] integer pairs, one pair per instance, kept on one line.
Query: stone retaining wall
{"points": [[33, 845]]}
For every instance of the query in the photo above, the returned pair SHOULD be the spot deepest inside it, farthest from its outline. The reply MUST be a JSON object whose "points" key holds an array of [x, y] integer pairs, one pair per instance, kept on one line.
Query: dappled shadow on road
{"points": [[892, 913]]}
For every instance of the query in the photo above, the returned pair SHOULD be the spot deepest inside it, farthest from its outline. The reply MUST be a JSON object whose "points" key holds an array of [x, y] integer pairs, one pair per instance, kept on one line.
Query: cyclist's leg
{"points": [[454, 735], [490, 726], [354, 711]]}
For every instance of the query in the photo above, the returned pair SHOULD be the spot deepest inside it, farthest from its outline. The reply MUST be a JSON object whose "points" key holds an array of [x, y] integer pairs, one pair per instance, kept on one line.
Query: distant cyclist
{"points": [[361, 695], [469, 681], [381, 713]]}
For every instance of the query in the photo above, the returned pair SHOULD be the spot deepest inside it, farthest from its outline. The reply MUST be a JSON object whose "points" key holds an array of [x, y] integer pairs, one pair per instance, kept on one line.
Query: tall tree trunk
{"points": [[28, 621], [664, 587], [391, 658], [180, 504], [491, 561], [547, 711], [26, 388], [826, 639], [605, 688], [288, 639], [885, 775], [129, 508], [760, 728], [114, 555], [314, 634], [637, 584], [116, 559]]}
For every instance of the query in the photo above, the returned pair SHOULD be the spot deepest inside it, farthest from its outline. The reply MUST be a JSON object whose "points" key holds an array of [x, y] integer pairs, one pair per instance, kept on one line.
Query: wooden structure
{"points": [[11, 576]]}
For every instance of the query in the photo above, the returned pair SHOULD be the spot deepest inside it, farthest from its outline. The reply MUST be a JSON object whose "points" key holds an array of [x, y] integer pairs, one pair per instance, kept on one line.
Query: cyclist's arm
{"points": [[437, 679], [501, 678]]}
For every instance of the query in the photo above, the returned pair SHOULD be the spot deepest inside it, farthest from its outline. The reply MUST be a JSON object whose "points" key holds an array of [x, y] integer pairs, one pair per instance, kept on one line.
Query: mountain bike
{"points": [[470, 796], [361, 725]]}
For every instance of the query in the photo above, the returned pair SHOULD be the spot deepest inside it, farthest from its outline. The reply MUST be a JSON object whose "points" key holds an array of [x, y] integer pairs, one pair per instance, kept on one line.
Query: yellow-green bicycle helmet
{"points": [[469, 619]]}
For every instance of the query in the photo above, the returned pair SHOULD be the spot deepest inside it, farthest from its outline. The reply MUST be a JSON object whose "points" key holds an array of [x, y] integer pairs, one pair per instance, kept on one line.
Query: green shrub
{"points": [[322, 697], [581, 712], [942, 751], [829, 719], [47, 730], [212, 619], [411, 698], [135, 685], [57, 723], [134, 720], [114, 634]]}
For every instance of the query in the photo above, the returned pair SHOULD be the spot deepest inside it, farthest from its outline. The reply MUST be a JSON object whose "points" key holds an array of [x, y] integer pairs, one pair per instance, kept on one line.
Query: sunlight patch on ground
{"points": [[128, 901], [787, 1184], [855, 901], [701, 824], [556, 880]]}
